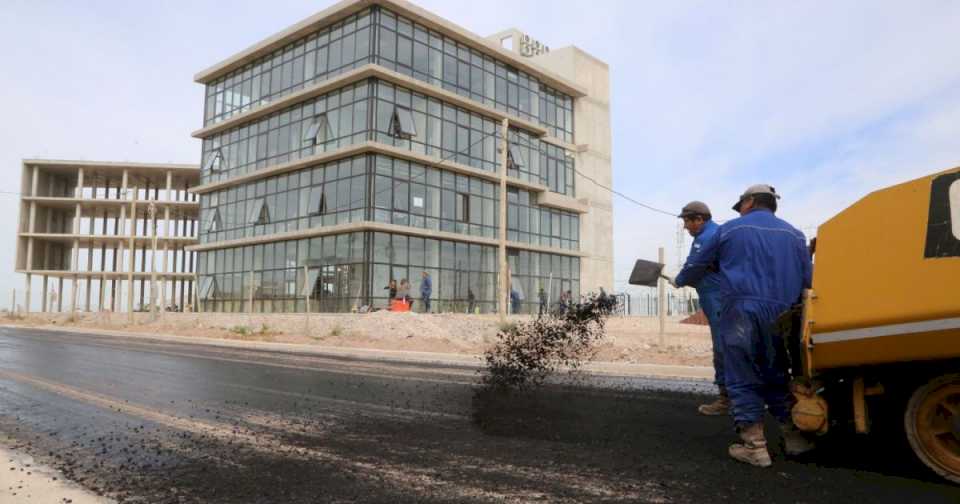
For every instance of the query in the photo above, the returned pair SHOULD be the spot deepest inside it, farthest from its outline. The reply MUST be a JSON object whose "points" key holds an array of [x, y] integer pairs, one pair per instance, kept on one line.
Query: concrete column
{"points": [[166, 242], [131, 232], [46, 294], [121, 231], [504, 288], [93, 230], [26, 304], [59, 294], [75, 258], [31, 227]]}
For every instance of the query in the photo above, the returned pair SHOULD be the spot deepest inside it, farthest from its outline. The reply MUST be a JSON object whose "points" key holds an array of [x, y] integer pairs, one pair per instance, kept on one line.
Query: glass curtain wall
{"points": [[343, 117], [414, 50], [332, 50], [322, 195], [341, 277], [531, 271]]}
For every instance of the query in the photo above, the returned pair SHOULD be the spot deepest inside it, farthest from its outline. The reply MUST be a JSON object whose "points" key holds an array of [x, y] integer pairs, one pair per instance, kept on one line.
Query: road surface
{"points": [[140, 420]]}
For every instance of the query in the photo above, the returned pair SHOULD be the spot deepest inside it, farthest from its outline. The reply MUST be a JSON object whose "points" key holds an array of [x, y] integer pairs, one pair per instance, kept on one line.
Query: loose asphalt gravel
{"points": [[153, 421]]}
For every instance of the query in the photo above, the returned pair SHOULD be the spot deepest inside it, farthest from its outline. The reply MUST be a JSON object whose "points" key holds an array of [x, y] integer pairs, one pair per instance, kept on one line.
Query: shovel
{"points": [[646, 273]]}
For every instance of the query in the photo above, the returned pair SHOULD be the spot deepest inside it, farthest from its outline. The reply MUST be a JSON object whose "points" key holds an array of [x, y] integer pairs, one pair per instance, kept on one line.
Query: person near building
{"points": [[698, 221], [514, 301], [391, 289], [426, 290], [403, 292], [471, 300], [542, 297], [764, 265]]}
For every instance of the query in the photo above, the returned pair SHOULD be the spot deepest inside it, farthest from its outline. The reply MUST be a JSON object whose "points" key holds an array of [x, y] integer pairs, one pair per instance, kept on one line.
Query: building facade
{"points": [[113, 234], [375, 141]]}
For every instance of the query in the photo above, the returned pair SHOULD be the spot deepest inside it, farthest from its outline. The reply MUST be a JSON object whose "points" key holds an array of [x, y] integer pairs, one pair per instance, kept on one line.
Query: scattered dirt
{"points": [[22, 479], [627, 339]]}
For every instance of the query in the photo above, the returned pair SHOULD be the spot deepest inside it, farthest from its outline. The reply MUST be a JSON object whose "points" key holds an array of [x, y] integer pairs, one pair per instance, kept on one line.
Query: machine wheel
{"points": [[932, 424]]}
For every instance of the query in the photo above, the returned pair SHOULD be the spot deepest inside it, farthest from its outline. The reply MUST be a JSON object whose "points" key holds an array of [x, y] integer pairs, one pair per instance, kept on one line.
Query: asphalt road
{"points": [[152, 421]]}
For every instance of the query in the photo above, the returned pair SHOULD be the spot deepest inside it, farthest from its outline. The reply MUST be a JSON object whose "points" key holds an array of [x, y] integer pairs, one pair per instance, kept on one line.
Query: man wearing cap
{"points": [[698, 221], [764, 267]]}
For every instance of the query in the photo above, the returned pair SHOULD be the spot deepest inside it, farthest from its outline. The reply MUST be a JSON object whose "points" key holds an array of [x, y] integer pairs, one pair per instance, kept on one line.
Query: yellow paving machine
{"points": [[882, 321]]}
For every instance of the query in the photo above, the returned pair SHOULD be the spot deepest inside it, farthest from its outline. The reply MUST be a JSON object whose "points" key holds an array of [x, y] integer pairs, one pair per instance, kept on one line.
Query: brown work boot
{"points": [[753, 449], [721, 406], [795, 441]]}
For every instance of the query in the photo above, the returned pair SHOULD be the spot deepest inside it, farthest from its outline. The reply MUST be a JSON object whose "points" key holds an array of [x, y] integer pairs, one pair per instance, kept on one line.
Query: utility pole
{"points": [[504, 146], [306, 298], [662, 299], [250, 304]]}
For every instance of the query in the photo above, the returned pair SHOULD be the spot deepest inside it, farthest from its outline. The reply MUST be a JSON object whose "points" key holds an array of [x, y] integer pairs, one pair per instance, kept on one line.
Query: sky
{"points": [[826, 101]]}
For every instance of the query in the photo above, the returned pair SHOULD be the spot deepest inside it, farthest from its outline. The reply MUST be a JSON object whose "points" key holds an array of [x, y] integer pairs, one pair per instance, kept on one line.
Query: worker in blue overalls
{"points": [[698, 221], [764, 266]]}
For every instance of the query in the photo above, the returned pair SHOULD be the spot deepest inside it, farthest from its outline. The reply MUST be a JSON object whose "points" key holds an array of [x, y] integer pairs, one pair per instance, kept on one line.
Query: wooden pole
{"points": [[250, 304], [503, 291], [662, 299], [306, 298]]}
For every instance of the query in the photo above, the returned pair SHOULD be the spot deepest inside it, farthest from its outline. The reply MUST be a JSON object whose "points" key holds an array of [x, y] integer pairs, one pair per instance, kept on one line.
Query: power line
{"points": [[624, 196]]}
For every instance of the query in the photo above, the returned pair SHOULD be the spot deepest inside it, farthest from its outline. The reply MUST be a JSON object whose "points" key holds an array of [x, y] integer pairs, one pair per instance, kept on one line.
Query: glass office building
{"points": [[365, 145]]}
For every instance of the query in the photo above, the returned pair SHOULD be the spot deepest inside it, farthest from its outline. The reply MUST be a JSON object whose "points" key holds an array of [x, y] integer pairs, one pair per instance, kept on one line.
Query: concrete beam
{"points": [[376, 226], [364, 148]]}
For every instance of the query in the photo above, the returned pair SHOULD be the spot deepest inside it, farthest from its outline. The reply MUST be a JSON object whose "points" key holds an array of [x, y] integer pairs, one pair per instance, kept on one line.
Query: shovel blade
{"points": [[645, 273]]}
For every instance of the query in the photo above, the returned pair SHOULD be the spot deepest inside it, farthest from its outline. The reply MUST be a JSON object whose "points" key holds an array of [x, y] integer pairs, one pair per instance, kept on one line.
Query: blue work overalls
{"points": [[764, 267], [708, 289]]}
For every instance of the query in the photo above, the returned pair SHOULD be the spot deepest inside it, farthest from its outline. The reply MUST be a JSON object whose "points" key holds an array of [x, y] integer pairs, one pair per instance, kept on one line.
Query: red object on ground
{"points": [[698, 318], [399, 305]]}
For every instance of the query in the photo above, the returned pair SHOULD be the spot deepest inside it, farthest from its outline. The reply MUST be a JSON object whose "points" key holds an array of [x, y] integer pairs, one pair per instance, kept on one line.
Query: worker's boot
{"points": [[795, 441], [721, 406], [753, 448]]}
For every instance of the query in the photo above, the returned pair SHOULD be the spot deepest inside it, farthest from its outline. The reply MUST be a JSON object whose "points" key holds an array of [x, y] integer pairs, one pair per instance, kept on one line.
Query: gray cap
{"points": [[695, 208], [755, 190]]}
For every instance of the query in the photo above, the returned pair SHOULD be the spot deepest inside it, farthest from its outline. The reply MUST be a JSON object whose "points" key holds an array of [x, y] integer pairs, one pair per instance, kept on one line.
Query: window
{"points": [[214, 162], [318, 132], [208, 287], [259, 213], [402, 123], [514, 157], [318, 202], [462, 207], [213, 222]]}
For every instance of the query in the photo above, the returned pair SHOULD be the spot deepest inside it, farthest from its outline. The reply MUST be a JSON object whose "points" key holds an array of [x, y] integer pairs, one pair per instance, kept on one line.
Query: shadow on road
{"points": [[660, 433]]}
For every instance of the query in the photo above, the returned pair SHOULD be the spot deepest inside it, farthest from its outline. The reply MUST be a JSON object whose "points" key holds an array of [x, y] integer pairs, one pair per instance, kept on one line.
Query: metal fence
{"points": [[645, 304]]}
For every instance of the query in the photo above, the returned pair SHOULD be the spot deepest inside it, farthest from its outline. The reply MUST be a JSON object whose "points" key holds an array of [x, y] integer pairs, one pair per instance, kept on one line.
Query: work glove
{"points": [[671, 280]]}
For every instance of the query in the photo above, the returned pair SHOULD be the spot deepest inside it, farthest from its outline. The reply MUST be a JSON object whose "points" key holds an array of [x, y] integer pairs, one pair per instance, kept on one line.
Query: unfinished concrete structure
{"points": [[115, 232]]}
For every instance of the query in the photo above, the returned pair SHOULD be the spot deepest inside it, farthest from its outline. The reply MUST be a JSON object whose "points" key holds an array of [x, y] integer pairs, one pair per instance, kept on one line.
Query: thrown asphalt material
{"points": [[149, 421]]}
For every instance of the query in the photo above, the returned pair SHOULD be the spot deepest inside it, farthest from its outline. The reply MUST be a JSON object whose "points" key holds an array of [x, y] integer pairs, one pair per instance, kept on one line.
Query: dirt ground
{"points": [[634, 340], [23, 480]]}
